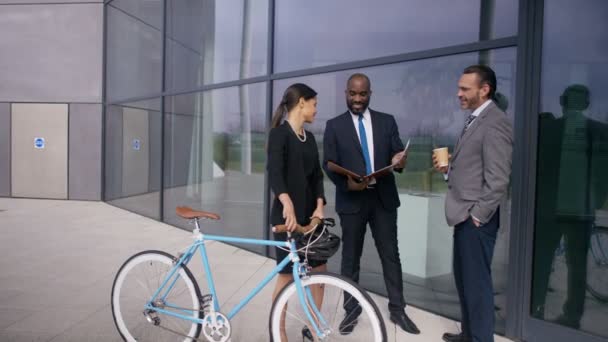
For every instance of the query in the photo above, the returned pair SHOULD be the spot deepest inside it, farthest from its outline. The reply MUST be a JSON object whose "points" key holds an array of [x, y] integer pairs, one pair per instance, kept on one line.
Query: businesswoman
{"points": [[295, 175]]}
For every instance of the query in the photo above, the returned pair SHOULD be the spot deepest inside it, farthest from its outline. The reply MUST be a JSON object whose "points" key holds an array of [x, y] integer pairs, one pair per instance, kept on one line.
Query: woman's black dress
{"points": [[293, 168]]}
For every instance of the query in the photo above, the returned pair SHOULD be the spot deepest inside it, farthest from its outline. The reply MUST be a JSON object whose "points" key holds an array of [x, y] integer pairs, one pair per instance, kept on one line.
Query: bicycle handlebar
{"points": [[314, 223]]}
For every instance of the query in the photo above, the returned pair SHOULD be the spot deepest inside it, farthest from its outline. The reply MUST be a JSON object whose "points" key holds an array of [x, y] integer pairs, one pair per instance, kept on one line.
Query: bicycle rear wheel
{"points": [[597, 264], [135, 283], [369, 325]]}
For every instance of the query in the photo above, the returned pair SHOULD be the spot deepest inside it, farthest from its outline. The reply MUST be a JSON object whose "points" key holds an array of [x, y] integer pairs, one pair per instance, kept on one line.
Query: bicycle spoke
{"points": [[368, 326], [139, 278]]}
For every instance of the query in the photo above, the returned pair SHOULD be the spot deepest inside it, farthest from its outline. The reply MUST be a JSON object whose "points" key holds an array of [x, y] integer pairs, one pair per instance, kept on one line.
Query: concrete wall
{"points": [[52, 53]]}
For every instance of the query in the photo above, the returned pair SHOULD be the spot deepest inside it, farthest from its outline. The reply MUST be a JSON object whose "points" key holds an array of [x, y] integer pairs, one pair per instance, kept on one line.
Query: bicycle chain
{"points": [[204, 306]]}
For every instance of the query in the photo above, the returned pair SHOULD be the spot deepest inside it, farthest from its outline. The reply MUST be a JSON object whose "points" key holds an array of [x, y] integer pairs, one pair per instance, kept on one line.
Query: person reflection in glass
{"points": [[571, 185]]}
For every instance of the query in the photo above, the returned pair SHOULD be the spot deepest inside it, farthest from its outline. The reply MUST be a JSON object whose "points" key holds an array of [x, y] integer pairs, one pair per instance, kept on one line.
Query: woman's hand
{"points": [[289, 213]]}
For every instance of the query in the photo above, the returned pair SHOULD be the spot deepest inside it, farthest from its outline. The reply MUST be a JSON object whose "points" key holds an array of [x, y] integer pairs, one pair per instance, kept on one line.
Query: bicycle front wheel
{"points": [[136, 281], [289, 321]]}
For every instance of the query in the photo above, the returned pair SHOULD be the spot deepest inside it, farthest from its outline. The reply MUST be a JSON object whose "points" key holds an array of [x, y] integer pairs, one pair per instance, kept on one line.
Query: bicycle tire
{"points": [[137, 328], [370, 324]]}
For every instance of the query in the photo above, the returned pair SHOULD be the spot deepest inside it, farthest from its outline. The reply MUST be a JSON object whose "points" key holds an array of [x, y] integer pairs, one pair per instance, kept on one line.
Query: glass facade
{"points": [[133, 142], [134, 50], [215, 158], [191, 84], [318, 33], [211, 41], [570, 277], [403, 89]]}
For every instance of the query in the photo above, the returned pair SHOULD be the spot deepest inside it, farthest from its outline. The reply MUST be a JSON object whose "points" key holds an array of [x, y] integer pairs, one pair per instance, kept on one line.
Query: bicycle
{"points": [[597, 262], [155, 296]]}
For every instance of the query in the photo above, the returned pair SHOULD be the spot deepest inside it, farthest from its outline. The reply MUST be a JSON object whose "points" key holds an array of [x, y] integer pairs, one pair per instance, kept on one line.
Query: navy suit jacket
{"points": [[341, 145]]}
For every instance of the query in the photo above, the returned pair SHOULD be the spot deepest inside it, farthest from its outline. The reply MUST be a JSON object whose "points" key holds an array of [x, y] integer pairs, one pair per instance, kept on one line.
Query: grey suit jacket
{"points": [[480, 168]]}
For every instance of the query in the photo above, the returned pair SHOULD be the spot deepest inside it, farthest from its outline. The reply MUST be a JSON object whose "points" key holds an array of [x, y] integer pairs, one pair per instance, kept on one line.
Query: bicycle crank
{"points": [[216, 327]]}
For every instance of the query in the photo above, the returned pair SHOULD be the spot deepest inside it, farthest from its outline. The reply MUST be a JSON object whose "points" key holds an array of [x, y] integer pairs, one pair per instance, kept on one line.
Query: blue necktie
{"points": [[363, 138]]}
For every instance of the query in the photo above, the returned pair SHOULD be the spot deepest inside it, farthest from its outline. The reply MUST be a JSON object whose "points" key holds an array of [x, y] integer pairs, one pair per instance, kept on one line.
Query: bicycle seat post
{"points": [[197, 229]]}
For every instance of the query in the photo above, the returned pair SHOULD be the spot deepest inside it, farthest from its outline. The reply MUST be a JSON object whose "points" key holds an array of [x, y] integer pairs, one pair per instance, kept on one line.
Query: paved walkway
{"points": [[60, 257]]}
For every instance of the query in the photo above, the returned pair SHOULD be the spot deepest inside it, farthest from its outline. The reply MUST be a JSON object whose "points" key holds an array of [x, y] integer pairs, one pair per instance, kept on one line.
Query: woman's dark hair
{"points": [[290, 99], [486, 75]]}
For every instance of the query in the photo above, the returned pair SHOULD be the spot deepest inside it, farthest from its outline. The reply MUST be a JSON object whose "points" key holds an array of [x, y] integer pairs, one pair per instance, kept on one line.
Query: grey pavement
{"points": [[60, 258]]}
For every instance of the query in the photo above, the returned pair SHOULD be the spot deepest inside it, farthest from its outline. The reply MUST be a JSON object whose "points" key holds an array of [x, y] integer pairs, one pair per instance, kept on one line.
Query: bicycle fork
{"points": [[307, 301]]}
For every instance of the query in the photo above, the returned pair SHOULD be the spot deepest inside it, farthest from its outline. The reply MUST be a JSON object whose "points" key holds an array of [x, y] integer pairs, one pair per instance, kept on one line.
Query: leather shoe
{"points": [[350, 321], [449, 337], [404, 322]]}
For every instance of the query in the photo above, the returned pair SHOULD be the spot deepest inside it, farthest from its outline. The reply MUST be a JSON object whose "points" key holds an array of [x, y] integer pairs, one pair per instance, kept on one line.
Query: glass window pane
{"points": [[570, 278], [317, 32], [149, 12], [133, 51], [422, 97], [215, 158], [215, 41], [132, 161]]}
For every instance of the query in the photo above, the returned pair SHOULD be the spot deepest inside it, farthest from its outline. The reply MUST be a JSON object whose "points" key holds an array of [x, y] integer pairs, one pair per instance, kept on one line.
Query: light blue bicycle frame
{"points": [[167, 285]]}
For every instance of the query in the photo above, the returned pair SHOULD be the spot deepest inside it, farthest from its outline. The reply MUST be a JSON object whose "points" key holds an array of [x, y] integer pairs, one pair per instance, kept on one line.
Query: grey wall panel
{"points": [[39, 172], [5, 149], [51, 53], [85, 152]]}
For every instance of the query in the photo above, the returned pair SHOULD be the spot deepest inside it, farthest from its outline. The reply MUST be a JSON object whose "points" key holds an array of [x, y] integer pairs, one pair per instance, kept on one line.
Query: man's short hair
{"points": [[359, 75], [486, 76]]}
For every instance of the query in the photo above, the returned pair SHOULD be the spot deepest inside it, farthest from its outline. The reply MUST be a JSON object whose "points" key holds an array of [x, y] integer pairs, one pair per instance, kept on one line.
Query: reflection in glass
{"points": [[149, 12], [574, 150], [212, 41], [316, 32], [570, 276], [133, 53], [215, 158], [132, 162], [422, 97]]}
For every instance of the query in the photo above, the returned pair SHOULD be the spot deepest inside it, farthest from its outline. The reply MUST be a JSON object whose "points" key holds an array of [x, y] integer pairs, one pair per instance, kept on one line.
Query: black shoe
{"points": [[404, 322], [350, 321], [449, 337], [306, 334]]}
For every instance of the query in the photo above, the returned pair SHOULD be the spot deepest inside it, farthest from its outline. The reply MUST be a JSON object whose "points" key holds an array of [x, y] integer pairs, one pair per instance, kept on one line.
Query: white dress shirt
{"points": [[479, 109]]}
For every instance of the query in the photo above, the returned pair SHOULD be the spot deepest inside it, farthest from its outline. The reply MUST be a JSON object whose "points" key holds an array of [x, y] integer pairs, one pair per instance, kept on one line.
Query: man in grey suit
{"points": [[478, 177]]}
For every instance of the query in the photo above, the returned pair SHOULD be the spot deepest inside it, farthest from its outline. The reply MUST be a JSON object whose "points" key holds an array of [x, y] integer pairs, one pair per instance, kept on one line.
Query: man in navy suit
{"points": [[363, 140]]}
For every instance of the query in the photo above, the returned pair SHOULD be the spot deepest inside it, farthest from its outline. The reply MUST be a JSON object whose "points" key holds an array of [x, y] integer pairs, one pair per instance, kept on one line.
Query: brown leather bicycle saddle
{"points": [[189, 213]]}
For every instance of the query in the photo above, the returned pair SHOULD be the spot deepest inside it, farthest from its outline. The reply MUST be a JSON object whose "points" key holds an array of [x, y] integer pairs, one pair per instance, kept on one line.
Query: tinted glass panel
{"points": [[422, 97], [570, 279], [132, 162], [133, 51], [215, 41], [215, 158], [316, 33]]}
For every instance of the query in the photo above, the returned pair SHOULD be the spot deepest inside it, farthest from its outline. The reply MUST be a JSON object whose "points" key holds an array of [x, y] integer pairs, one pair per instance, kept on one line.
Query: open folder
{"points": [[333, 167]]}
